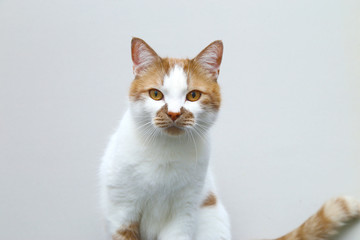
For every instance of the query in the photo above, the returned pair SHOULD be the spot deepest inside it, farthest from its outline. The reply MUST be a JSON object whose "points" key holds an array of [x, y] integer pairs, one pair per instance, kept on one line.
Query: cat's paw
{"points": [[129, 233]]}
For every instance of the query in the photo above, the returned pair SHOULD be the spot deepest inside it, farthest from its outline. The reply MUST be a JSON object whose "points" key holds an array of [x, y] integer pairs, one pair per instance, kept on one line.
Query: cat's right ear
{"points": [[142, 55]]}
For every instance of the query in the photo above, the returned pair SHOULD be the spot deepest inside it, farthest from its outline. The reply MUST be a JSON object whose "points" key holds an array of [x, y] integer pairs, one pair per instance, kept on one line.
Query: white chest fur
{"points": [[152, 177]]}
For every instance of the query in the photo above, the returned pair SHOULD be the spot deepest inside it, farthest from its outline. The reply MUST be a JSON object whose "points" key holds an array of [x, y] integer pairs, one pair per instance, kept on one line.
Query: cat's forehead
{"points": [[168, 64], [176, 80]]}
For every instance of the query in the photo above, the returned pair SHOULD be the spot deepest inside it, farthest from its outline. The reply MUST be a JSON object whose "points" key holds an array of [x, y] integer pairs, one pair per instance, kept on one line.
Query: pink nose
{"points": [[173, 115]]}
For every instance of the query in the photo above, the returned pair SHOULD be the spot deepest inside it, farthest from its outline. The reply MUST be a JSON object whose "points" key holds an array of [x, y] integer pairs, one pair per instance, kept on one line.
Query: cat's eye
{"points": [[193, 96], [156, 94]]}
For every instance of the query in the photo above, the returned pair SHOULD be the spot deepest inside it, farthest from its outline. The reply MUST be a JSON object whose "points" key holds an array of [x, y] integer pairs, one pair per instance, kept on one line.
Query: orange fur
{"points": [[202, 72], [169, 63], [130, 233], [199, 78], [210, 200], [152, 78], [325, 223]]}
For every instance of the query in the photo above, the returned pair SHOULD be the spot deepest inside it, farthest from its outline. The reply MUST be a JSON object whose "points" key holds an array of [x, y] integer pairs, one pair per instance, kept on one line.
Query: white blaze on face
{"points": [[175, 88]]}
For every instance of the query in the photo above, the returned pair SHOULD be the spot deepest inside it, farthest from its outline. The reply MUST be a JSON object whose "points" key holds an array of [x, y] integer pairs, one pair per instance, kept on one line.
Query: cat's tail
{"points": [[327, 221]]}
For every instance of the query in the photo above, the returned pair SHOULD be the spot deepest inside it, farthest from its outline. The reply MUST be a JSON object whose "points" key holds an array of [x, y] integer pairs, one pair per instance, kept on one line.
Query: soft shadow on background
{"points": [[288, 134]]}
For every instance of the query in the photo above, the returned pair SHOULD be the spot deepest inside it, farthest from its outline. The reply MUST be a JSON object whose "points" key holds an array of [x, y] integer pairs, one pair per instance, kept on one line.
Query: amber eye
{"points": [[193, 96], [156, 94]]}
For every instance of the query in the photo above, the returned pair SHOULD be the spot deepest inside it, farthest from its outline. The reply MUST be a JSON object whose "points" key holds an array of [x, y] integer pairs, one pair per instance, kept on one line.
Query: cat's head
{"points": [[175, 96]]}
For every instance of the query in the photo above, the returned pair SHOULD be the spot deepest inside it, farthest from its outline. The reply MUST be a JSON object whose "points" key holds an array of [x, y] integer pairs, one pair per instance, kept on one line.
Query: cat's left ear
{"points": [[210, 58]]}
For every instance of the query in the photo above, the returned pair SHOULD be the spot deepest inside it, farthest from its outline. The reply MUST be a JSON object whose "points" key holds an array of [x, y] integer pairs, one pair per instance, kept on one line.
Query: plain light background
{"points": [[288, 134]]}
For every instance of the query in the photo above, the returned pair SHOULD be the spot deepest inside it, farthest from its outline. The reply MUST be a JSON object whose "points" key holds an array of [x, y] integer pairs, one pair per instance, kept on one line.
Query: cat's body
{"points": [[162, 185], [155, 177]]}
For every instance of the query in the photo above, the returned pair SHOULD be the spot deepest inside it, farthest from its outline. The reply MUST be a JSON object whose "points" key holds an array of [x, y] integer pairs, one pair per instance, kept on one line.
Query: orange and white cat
{"points": [[155, 180]]}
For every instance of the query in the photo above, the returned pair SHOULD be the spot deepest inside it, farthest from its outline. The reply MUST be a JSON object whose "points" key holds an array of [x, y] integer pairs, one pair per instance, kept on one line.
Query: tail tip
{"points": [[345, 207]]}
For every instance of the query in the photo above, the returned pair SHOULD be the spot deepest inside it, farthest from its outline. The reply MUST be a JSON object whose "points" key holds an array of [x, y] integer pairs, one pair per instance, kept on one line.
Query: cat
{"points": [[154, 176]]}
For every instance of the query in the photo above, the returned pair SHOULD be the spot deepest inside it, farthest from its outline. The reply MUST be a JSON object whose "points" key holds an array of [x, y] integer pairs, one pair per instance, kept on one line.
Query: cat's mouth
{"points": [[173, 126], [174, 130]]}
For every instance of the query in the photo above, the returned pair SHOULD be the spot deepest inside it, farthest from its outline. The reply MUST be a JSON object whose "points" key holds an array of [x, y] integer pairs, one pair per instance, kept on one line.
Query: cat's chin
{"points": [[174, 131]]}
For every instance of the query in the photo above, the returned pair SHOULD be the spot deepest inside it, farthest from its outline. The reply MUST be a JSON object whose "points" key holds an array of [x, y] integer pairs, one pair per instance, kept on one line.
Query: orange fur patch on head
{"points": [[200, 80], [129, 233], [210, 200], [169, 63], [152, 78]]}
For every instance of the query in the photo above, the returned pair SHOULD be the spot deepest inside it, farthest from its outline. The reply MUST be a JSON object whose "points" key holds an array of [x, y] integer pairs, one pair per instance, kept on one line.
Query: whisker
{"points": [[154, 135], [140, 121], [196, 153], [188, 135], [144, 125], [149, 140], [148, 133], [200, 134], [203, 127], [203, 121]]}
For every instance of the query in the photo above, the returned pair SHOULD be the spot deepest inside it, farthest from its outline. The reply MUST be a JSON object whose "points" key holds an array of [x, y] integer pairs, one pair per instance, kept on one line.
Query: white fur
{"points": [[160, 180], [175, 88]]}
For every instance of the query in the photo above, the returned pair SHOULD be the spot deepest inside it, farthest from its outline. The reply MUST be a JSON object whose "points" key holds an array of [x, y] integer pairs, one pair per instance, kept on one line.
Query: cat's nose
{"points": [[174, 115]]}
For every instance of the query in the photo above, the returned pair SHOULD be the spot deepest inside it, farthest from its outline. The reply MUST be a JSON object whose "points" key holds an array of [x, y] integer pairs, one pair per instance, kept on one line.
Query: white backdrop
{"points": [[287, 138]]}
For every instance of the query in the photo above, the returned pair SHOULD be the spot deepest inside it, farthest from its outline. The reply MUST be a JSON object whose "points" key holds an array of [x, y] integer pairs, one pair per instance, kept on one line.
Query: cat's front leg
{"points": [[182, 225], [123, 220], [181, 228], [122, 228], [127, 232]]}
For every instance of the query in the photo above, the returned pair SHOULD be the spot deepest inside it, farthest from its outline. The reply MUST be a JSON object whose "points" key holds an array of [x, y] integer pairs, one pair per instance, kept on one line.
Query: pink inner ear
{"points": [[142, 55], [210, 58], [135, 52]]}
